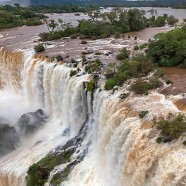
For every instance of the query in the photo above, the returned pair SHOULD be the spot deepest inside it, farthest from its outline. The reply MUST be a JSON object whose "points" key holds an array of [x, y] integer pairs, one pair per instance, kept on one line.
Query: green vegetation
{"points": [[103, 25], [180, 5], [123, 96], [18, 16], [171, 20], [137, 66], [114, 23], [93, 67], [171, 129], [39, 172], [90, 86], [60, 177], [158, 22], [143, 46], [84, 42], [159, 139], [62, 8], [49, 36], [159, 72], [110, 84], [59, 58], [14, 16], [168, 49], [142, 86], [168, 81], [73, 73], [39, 48], [124, 54], [136, 47], [154, 82], [142, 114]]}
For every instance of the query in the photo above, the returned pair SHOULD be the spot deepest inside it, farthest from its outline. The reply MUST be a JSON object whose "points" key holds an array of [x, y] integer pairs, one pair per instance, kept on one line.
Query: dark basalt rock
{"points": [[30, 122], [8, 139], [39, 172]]}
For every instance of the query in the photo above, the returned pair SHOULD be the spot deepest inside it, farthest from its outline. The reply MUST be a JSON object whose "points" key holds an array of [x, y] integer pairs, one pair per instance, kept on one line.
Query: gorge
{"points": [[100, 137]]}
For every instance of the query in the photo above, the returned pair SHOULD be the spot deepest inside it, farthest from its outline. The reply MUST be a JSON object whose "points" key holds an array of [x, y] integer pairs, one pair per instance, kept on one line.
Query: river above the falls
{"points": [[26, 37]]}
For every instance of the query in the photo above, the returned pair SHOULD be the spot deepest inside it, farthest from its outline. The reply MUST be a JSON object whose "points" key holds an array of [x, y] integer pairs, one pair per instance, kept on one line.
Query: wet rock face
{"points": [[30, 122], [8, 139]]}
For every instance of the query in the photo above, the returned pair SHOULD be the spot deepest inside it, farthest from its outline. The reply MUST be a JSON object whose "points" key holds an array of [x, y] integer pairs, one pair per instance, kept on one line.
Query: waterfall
{"points": [[114, 146], [10, 65]]}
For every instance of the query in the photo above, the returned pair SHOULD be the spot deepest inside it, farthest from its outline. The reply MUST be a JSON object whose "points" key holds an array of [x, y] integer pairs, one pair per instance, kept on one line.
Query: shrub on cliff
{"points": [[73, 73], [39, 48], [154, 83], [123, 96], [171, 129], [39, 172], [137, 66], [90, 86], [93, 67], [140, 86], [110, 84], [124, 54]]}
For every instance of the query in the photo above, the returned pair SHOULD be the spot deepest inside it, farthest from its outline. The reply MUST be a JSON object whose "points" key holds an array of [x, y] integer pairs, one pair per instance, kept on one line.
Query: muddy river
{"points": [[26, 37]]}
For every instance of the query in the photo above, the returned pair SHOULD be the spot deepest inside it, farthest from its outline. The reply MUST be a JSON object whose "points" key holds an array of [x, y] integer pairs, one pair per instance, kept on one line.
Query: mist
{"points": [[12, 106]]}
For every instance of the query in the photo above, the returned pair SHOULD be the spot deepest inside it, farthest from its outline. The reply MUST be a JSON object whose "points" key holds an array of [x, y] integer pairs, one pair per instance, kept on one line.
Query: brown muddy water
{"points": [[178, 77], [27, 37]]}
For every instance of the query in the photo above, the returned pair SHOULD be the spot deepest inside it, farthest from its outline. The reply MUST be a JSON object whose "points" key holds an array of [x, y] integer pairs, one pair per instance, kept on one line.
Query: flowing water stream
{"points": [[118, 147]]}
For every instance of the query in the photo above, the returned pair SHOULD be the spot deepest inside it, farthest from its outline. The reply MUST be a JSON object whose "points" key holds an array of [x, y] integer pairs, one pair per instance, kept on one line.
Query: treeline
{"points": [[14, 16], [107, 3], [180, 6], [104, 25], [17, 16], [65, 8], [169, 49]]}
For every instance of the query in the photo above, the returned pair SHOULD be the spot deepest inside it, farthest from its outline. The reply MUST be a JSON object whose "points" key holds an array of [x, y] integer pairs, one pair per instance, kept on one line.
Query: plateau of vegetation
{"points": [[136, 67], [104, 25], [14, 16], [39, 172], [171, 128], [18, 16], [141, 86], [169, 49]]}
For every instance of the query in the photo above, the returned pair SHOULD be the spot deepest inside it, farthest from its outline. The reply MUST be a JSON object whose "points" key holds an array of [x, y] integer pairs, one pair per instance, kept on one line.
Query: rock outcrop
{"points": [[8, 139], [30, 122]]}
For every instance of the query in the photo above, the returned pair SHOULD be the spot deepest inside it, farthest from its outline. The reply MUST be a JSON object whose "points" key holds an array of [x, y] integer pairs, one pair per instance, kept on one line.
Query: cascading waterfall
{"points": [[10, 65], [114, 146]]}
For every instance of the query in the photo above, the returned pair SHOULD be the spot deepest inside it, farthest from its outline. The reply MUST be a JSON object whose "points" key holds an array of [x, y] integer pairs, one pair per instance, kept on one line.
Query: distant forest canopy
{"points": [[106, 3]]}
